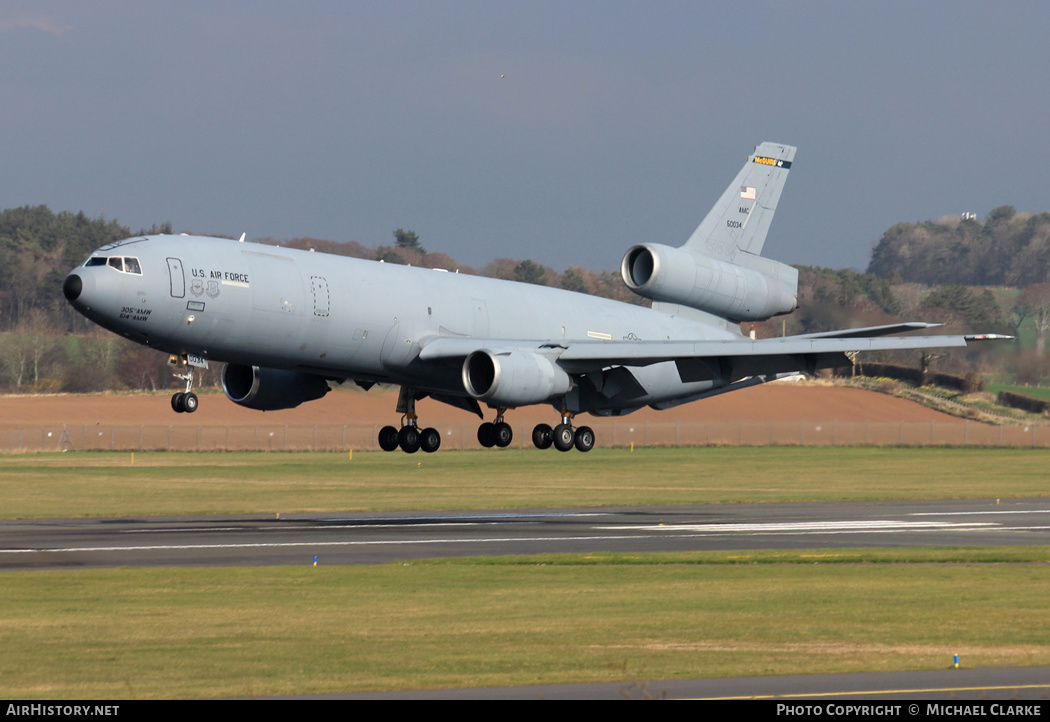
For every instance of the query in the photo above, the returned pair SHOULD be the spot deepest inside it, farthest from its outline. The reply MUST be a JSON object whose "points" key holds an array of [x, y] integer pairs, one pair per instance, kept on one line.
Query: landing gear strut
{"points": [[183, 401], [497, 433], [409, 438], [563, 437]]}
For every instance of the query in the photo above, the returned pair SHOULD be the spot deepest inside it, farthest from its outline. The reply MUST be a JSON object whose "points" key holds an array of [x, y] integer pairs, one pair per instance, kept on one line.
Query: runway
{"points": [[377, 538], [985, 684], [362, 538]]}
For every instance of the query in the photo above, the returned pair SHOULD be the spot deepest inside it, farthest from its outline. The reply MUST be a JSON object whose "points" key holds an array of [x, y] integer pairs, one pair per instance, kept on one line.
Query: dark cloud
{"points": [[564, 132]]}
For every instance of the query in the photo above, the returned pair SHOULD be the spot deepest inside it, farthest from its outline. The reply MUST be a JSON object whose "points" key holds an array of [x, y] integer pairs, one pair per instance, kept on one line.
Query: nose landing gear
{"points": [[183, 401]]}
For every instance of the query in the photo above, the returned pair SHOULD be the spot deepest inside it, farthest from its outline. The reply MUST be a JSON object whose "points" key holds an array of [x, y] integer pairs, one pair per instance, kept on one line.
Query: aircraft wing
{"points": [[738, 358], [871, 330], [700, 360]]}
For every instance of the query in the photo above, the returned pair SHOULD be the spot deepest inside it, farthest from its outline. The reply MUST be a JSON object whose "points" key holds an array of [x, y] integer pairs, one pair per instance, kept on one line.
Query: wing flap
{"points": [[728, 369]]}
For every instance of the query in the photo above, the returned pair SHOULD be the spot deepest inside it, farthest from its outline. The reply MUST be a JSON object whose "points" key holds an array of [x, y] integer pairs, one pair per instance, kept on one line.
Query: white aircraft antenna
{"points": [[242, 237]]}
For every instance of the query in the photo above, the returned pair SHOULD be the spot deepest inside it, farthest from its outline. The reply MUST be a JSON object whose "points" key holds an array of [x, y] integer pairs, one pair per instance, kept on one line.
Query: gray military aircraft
{"points": [[288, 324]]}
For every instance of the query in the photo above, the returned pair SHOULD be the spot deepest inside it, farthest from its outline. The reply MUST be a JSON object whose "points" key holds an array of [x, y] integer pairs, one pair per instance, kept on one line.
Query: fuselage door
{"points": [[319, 287], [178, 278]]}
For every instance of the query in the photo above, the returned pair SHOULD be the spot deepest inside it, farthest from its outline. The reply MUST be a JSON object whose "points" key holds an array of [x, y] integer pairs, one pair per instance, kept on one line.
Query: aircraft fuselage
{"points": [[343, 317]]}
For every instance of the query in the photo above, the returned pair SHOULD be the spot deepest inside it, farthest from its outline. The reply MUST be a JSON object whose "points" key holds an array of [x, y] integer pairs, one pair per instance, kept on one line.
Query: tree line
{"points": [[1007, 249], [917, 271]]}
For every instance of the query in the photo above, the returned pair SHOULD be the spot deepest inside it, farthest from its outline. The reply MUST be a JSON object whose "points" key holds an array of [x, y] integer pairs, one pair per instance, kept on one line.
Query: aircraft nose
{"points": [[72, 287]]}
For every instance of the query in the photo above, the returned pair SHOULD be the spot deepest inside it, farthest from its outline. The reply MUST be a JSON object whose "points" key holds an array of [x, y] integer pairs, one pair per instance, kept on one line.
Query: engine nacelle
{"points": [[514, 378], [729, 290], [270, 389]]}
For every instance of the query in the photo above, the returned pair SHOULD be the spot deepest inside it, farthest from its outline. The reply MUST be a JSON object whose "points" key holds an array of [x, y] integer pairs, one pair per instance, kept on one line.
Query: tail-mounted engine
{"points": [[270, 389], [750, 288]]}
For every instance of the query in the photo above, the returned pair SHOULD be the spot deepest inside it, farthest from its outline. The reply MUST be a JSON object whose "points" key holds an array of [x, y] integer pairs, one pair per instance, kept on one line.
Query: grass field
{"points": [[109, 484], [1038, 392], [144, 633], [207, 632]]}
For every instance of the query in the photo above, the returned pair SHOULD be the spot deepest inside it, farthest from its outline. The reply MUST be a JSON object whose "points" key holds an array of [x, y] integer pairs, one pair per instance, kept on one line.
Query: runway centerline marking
{"points": [[496, 540], [977, 513], [307, 528], [802, 526]]}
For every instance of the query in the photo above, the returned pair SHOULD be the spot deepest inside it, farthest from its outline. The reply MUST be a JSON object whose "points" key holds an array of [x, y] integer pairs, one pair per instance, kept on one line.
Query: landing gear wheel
{"points": [[503, 434], [189, 402], [563, 437], [429, 440], [542, 436], [584, 438], [177, 402], [487, 434], [388, 438], [408, 439]]}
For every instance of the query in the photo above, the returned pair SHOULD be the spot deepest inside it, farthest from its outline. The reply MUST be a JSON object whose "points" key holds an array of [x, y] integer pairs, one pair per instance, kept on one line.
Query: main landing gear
{"points": [[409, 438], [497, 433], [184, 401], [563, 436]]}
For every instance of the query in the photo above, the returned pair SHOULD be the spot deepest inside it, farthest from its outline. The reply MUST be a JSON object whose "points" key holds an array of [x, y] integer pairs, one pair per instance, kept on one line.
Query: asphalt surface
{"points": [[991, 683], [378, 538]]}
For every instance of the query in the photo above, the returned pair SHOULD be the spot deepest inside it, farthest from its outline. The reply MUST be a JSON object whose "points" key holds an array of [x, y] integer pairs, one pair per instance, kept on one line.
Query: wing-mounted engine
{"points": [[750, 288], [513, 378], [270, 389]]}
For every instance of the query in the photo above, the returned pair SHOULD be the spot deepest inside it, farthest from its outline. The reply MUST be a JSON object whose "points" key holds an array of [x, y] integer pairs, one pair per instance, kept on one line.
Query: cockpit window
{"points": [[124, 264]]}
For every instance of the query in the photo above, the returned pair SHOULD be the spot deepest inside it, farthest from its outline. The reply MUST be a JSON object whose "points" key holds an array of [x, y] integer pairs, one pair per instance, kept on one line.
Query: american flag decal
{"points": [[747, 193]]}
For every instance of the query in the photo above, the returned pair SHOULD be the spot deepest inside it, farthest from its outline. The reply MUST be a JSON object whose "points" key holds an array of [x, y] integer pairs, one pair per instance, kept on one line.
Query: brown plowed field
{"points": [[778, 402]]}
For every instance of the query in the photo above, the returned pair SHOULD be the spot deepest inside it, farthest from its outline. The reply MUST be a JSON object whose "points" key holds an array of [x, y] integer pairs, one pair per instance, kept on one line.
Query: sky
{"points": [[564, 132]]}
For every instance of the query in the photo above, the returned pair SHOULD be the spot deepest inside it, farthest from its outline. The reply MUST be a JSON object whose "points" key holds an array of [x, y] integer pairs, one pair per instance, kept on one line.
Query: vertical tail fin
{"points": [[741, 217], [718, 274]]}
